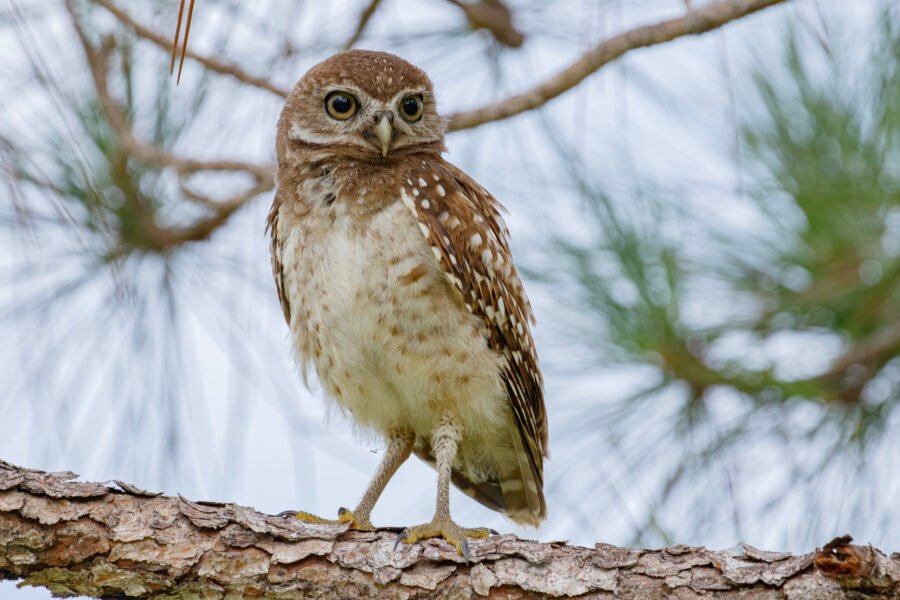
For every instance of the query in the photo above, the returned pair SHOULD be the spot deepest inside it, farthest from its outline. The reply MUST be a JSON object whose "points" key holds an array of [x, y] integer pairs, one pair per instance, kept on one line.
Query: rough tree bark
{"points": [[102, 541]]}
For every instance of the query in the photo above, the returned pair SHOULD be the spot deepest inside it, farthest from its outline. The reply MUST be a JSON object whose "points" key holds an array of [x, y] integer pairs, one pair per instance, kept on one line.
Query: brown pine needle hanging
{"points": [[187, 31]]}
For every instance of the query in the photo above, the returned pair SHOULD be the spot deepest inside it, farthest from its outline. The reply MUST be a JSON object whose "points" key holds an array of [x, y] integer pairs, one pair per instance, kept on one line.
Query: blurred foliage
{"points": [[701, 314], [119, 196], [120, 203], [833, 149], [827, 181]]}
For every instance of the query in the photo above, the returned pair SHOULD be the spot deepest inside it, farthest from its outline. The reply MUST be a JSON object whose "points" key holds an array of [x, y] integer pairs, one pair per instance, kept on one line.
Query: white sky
{"points": [[260, 439]]}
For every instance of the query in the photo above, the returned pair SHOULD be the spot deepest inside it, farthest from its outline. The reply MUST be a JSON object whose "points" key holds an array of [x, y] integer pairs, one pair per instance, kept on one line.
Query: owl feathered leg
{"points": [[445, 440], [398, 450]]}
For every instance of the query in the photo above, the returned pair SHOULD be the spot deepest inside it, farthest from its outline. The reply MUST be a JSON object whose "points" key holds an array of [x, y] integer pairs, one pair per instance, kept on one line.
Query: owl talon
{"points": [[345, 516], [399, 538], [315, 519], [443, 528]]}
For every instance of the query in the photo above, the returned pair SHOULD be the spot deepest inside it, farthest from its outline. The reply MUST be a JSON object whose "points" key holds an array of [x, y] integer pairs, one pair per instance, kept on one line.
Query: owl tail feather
{"points": [[523, 494]]}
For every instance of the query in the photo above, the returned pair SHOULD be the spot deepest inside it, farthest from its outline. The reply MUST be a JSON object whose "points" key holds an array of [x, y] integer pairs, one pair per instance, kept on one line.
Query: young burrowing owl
{"points": [[396, 279]]}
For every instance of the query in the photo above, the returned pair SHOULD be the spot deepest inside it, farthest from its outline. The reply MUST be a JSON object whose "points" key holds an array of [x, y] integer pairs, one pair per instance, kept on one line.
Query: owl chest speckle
{"points": [[390, 340]]}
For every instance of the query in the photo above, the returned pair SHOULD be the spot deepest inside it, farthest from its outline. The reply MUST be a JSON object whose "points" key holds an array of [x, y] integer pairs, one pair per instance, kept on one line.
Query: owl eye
{"points": [[340, 105], [411, 107]]}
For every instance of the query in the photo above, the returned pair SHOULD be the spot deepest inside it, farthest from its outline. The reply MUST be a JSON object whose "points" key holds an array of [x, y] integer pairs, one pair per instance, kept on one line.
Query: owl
{"points": [[396, 280]]}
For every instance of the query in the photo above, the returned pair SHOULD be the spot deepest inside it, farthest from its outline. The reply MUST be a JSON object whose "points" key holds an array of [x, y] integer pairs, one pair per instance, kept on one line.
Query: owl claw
{"points": [[399, 539], [443, 528], [345, 516]]}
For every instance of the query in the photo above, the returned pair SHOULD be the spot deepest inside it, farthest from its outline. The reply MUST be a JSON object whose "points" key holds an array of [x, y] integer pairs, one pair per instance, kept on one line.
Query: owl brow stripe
{"points": [[298, 133], [324, 90], [426, 95]]}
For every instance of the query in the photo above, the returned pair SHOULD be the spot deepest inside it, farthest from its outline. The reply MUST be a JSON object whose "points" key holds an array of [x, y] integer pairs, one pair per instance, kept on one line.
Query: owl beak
{"points": [[384, 131]]}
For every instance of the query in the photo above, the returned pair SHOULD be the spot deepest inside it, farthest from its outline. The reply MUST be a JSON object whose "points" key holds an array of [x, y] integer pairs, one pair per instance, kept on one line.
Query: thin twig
{"points": [[876, 349], [171, 237], [493, 17], [364, 18]]}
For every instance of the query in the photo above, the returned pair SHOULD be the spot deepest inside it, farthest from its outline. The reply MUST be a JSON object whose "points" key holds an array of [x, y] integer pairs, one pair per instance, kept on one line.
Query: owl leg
{"points": [[398, 450], [399, 447], [444, 443]]}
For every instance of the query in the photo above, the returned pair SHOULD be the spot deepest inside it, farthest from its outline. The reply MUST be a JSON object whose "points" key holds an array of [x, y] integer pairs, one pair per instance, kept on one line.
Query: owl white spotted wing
{"points": [[463, 226]]}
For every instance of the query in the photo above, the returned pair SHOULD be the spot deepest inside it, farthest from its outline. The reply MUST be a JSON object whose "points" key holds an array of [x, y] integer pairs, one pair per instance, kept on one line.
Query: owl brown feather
{"points": [[465, 230]]}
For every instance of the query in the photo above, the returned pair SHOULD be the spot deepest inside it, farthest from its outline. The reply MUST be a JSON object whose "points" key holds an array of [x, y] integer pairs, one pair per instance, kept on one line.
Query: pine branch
{"points": [[494, 17], [695, 22], [156, 237], [90, 539], [364, 18]]}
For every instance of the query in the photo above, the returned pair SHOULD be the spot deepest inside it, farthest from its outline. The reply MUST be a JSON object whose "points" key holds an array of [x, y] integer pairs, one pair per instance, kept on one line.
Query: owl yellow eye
{"points": [[411, 107], [340, 105]]}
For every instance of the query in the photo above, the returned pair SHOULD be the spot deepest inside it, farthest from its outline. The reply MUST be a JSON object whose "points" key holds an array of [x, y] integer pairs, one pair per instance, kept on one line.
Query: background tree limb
{"points": [[364, 18], [213, 64], [695, 22], [87, 538], [164, 238]]}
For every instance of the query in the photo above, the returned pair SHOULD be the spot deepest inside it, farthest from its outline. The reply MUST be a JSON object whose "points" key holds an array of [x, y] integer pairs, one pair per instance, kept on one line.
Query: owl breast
{"points": [[390, 339]]}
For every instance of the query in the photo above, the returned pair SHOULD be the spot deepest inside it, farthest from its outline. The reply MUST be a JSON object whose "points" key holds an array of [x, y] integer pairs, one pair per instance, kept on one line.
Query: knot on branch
{"points": [[859, 568]]}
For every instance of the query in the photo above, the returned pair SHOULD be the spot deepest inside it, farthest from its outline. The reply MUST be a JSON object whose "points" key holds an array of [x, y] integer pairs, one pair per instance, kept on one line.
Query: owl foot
{"points": [[443, 527], [345, 515]]}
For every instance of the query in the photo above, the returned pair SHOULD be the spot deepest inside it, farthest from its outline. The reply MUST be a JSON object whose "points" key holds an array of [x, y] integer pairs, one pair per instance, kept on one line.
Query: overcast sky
{"points": [[81, 396]]}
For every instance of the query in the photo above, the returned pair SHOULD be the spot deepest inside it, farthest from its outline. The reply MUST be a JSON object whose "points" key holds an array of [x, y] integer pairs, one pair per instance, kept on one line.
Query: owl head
{"points": [[370, 106]]}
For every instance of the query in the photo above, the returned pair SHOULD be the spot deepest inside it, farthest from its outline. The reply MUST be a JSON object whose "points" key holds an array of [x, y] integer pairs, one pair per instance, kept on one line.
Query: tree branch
{"points": [[878, 349], [694, 22], [154, 236], [364, 18], [98, 541], [494, 17], [97, 59]]}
